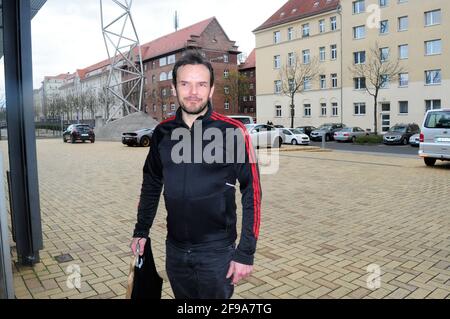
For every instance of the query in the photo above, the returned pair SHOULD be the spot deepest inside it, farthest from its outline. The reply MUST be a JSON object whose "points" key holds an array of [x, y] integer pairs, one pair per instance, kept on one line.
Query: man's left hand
{"points": [[239, 271]]}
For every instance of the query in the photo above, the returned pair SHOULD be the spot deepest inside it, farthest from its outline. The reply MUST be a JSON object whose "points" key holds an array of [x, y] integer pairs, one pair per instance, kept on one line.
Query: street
{"points": [[330, 221]]}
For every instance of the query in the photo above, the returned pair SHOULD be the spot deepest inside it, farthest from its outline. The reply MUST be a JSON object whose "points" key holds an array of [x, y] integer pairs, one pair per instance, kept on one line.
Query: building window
{"points": [[276, 37], [290, 33], [226, 90], [403, 107], [306, 56], [225, 58], [278, 111], [403, 23], [171, 59], [334, 80], [251, 98], [291, 85], [359, 83], [334, 107], [333, 23], [359, 6], [307, 110], [307, 83], [433, 47], [385, 81], [323, 109], [403, 51], [226, 73], [163, 61], [359, 32], [433, 17], [384, 27], [276, 62], [359, 57], [291, 59], [383, 3], [172, 107], [244, 98], [163, 76], [322, 54], [277, 87], [333, 51], [305, 30], [360, 108], [403, 79], [252, 86], [384, 54], [153, 78], [323, 81], [433, 77], [252, 74], [164, 108], [321, 26], [164, 92], [154, 108], [227, 105], [432, 105]]}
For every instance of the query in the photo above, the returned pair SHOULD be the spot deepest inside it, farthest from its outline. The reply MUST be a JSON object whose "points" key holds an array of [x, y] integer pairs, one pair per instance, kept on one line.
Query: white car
{"points": [[242, 118], [295, 136], [264, 135]]}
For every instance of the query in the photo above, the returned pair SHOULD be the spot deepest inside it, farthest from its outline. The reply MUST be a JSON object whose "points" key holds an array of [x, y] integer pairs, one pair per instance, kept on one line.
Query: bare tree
{"points": [[234, 87], [378, 70], [297, 76]]}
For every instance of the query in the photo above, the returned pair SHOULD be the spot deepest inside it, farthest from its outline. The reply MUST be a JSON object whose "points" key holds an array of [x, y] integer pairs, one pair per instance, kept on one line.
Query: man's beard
{"points": [[200, 110]]}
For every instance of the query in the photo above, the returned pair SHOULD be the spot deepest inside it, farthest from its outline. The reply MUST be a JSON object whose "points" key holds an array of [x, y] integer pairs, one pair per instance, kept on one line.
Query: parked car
{"points": [[415, 140], [79, 132], [328, 130], [349, 134], [400, 133], [435, 137], [306, 129], [243, 118], [138, 138], [264, 135], [294, 136]]}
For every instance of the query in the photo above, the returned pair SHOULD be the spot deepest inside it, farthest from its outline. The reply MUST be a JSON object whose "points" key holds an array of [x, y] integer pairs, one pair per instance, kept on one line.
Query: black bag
{"points": [[144, 281]]}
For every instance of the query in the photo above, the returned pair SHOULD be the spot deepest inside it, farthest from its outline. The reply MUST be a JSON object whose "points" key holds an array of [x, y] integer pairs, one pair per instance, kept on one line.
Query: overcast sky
{"points": [[67, 33]]}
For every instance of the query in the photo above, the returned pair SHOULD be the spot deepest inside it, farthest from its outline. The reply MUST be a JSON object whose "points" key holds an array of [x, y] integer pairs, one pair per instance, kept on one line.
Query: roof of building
{"points": [[298, 9], [250, 62], [176, 40]]}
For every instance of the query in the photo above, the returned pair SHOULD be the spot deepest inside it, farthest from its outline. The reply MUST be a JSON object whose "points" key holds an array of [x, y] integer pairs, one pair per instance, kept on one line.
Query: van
{"points": [[243, 118], [435, 137]]}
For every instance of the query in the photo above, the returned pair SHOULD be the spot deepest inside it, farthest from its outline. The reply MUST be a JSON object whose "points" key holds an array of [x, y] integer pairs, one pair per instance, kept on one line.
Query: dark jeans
{"points": [[199, 273]]}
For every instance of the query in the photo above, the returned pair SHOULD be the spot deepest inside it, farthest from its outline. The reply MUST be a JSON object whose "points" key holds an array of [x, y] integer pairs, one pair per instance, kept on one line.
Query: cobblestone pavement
{"points": [[330, 221]]}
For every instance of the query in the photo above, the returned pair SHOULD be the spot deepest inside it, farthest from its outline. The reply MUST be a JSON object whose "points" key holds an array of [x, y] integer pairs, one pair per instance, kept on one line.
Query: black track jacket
{"points": [[200, 195]]}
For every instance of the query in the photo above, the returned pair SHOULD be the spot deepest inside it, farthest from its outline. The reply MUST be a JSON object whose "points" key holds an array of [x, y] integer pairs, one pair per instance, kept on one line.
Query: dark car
{"points": [[138, 138], [306, 129], [79, 132], [328, 130], [400, 133]]}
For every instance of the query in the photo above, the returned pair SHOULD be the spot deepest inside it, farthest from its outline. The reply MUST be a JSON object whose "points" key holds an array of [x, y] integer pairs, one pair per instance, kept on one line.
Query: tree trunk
{"points": [[375, 114], [292, 108]]}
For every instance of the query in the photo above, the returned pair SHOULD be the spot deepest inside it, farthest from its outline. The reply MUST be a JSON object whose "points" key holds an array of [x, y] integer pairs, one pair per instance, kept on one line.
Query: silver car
{"points": [[435, 137], [349, 134], [415, 140], [139, 138]]}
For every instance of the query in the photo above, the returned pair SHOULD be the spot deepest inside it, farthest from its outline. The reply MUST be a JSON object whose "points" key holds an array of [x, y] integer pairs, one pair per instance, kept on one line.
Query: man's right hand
{"points": [[138, 241]]}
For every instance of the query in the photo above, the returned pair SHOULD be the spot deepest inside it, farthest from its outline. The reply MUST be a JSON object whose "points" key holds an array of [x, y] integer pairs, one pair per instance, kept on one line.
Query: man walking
{"points": [[202, 260]]}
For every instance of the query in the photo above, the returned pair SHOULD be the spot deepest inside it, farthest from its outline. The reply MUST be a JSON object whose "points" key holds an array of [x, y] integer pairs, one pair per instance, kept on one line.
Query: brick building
{"points": [[247, 101], [160, 55]]}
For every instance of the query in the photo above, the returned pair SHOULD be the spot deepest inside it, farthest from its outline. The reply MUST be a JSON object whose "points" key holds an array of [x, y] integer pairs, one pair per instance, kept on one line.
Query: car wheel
{"points": [[73, 140], [405, 141], [145, 141], [294, 142], [327, 138], [429, 161], [354, 139], [64, 139]]}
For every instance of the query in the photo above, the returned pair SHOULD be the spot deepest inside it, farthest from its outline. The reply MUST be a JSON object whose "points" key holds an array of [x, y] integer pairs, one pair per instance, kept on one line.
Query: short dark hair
{"points": [[192, 57]]}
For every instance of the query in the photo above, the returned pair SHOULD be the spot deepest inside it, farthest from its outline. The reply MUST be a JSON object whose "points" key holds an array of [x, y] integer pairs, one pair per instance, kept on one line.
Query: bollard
{"points": [[323, 140]]}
